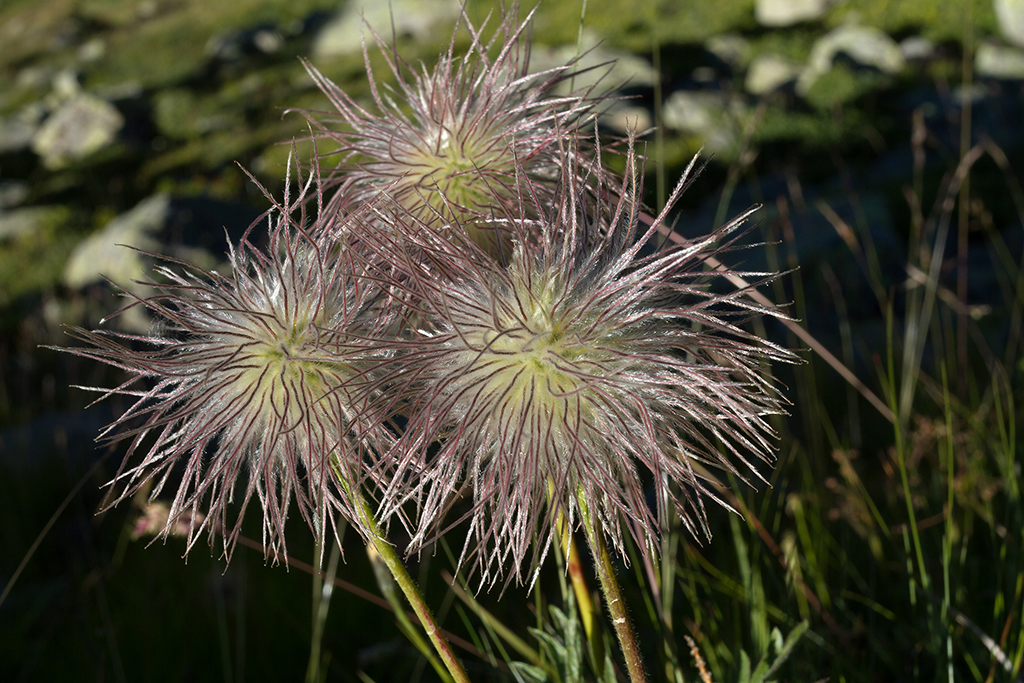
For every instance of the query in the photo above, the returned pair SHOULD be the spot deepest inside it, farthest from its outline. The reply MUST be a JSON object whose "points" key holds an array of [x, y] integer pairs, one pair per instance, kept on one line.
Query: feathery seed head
{"points": [[581, 371], [448, 147], [265, 372]]}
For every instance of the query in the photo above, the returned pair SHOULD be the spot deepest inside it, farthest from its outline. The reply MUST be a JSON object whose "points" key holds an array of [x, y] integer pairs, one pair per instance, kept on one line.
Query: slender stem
{"points": [[579, 582], [613, 595], [313, 667], [584, 603], [964, 204], [322, 591], [387, 587], [397, 568], [494, 624]]}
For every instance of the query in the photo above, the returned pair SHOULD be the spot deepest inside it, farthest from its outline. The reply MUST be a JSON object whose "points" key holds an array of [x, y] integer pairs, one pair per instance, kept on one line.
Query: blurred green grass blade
{"points": [[495, 624], [389, 590], [947, 539], [787, 647]]}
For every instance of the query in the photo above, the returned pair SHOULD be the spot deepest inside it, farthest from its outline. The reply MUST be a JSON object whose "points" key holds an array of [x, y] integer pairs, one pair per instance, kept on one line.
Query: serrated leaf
{"points": [[551, 645], [787, 647], [529, 672]]}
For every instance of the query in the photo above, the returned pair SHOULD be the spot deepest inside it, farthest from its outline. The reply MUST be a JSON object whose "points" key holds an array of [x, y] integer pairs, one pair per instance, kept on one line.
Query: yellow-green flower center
{"points": [[458, 179], [287, 375], [535, 362]]}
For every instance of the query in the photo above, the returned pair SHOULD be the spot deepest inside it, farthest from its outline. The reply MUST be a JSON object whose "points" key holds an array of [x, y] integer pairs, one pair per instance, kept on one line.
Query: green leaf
{"points": [[529, 673]]}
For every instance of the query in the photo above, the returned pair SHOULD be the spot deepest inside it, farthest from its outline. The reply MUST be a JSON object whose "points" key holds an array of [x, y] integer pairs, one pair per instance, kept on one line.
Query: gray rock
{"points": [[711, 115], [36, 76], [235, 45], [17, 131], [147, 9], [731, 48], [788, 12], [917, 49], [81, 126], [106, 255], [192, 229], [770, 72], [864, 45], [598, 66], [268, 41], [1010, 16], [66, 84], [92, 50], [692, 111], [622, 116], [704, 75], [99, 255], [997, 61], [343, 34], [12, 193], [22, 222]]}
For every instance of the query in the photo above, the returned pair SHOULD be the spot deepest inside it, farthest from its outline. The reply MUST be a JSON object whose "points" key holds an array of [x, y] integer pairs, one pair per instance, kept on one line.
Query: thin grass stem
{"points": [[963, 217], [795, 327], [323, 589], [579, 47], [495, 624], [947, 541], [49, 525], [901, 462]]}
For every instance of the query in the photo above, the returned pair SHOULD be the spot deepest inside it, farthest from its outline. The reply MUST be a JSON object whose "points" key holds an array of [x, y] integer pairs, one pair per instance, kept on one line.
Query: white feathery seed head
{"points": [[449, 143], [260, 380], [595, 368]]}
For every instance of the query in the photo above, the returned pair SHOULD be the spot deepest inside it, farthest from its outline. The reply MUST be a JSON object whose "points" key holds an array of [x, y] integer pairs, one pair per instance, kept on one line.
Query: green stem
{"points": [[397, 568], [387, 587], [579, 582], [584, 602], [613, 595], [494, 624], [321, 605]]}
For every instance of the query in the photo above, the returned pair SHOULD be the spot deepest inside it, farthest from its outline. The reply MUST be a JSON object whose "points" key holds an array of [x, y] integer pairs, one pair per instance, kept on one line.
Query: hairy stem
{"points": [[397, 568], [584, 603], [613, 596], [386, 583], [412, 594]]}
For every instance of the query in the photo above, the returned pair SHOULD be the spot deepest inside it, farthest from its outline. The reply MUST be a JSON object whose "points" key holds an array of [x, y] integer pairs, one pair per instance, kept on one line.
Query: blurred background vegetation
{"points": [[883, 139]]}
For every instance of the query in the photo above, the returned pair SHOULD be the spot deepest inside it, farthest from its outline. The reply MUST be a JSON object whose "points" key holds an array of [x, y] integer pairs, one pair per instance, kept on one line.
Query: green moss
{"points": [[27, 28], [13, 98], [793, 43], [183, 115], [937, 20], [680, 150], [34, 262], [174, 113], [810, 130], [202, 153], [675, 22], [172, 45], [841, 85]]}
